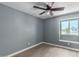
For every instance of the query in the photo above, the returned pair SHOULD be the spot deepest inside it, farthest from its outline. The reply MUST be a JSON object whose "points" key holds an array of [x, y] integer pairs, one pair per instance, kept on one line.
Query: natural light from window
{"points": [[69, 27]]}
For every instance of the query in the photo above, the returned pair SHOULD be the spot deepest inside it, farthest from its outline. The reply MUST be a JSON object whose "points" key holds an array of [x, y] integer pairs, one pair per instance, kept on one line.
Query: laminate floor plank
{"points": [[45, 50]]}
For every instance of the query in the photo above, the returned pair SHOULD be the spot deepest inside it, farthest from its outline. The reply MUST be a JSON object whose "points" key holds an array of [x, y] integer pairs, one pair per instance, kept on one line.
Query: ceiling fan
{"points": [[49, 8]]}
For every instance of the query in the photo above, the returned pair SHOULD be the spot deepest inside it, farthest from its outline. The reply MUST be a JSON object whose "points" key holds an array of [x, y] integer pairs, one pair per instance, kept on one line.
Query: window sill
{"points": [[71, 34], [68, 41]]}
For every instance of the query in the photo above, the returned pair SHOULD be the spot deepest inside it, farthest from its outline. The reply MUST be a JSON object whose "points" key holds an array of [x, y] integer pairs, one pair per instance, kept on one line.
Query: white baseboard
{"points": [[15, 53], [61, 46]]}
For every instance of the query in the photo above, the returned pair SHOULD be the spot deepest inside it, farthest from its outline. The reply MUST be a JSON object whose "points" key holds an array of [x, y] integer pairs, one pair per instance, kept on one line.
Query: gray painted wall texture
{"points": [[52, 31], [17, 29]]}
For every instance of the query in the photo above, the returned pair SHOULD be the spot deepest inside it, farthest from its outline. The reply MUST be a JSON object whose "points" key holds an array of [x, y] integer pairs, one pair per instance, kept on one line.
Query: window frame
{"points": [[60, 30], [61, 26], [68, 41], [77, 25]]}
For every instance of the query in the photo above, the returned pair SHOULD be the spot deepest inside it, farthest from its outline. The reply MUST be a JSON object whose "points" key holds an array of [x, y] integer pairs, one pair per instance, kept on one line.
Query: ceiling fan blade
{"points": [[58, 9], [48, 5], [42, 13], [52, 4], [39, 7]]}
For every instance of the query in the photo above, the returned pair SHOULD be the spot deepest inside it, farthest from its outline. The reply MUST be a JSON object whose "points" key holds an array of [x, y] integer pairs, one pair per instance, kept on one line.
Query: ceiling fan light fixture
{"points": [[49, 8], [48, 13]]}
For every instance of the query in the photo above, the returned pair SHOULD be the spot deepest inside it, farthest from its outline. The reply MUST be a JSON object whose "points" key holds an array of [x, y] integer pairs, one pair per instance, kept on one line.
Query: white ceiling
{"points": [[27, 7]]}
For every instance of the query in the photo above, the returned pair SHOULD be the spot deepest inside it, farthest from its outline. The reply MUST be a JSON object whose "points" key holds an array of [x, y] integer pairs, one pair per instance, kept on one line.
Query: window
{"points": [[69, 27], [74, 27], [64, 27]]}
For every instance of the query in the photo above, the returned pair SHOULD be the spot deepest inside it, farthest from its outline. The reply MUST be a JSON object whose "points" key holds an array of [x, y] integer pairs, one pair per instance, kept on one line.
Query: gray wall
{"points": [[52, 31], [17, 29]]}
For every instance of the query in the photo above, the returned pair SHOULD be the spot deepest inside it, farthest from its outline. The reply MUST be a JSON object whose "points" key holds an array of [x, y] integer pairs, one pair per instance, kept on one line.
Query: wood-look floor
{"points": [[45, 50]]}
